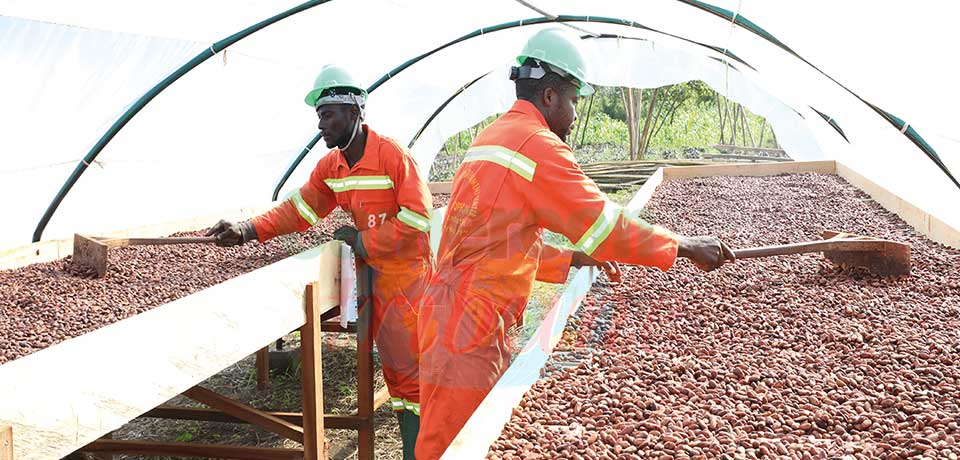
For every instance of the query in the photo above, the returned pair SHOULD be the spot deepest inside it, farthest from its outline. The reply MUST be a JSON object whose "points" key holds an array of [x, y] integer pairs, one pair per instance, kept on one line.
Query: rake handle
{"points": [[835, 244], [160, 241]]}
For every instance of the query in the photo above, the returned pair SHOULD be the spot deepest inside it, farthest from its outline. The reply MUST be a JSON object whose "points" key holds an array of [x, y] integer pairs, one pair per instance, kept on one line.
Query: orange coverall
{"points": [[517, 179], [390, 205]]}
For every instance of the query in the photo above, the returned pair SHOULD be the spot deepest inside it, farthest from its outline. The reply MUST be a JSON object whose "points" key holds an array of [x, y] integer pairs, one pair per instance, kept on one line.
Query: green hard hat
{"points": [[555, 47], [332, 76]]}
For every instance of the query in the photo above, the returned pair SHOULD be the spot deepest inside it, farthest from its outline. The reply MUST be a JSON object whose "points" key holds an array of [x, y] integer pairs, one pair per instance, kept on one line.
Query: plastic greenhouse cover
{"points": [[222, 135]]}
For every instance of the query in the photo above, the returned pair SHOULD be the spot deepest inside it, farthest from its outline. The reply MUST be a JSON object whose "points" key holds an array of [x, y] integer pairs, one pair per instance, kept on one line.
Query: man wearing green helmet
{"points": [[517, 179], [377, 181]]}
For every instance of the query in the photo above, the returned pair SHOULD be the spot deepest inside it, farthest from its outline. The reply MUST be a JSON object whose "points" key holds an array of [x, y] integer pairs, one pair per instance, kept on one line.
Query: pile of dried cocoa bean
{"points": [[43, 304], [785, 357]]}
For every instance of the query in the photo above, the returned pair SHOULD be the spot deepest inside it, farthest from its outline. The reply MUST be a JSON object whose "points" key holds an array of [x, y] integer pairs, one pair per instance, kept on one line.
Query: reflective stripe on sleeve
{"points": [[304, 209], [413, 219], [601, 228], [514, 161]]}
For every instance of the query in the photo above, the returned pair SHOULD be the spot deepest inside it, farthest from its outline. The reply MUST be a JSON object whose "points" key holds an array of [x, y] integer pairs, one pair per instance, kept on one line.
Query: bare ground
{"points": [[239, 382]]}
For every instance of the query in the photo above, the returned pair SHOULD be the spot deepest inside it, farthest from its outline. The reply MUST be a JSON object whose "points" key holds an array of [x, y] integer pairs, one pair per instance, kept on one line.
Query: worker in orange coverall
{"points": [[377, 182], [518, 178]]}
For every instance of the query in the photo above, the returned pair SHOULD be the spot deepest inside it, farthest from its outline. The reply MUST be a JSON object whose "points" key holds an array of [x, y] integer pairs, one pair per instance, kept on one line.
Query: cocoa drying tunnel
{"points": [[167, 111]]}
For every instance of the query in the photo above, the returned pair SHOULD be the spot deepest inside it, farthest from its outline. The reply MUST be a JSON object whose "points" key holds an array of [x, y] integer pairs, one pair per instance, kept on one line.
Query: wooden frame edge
{"points": [[440, 187], [748, 169], [930, 226], [6, 442], [50, 250]]}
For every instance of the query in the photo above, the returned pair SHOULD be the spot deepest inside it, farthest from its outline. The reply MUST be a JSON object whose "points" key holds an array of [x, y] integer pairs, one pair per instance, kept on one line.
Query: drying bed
{"points": [[46, 303], [784, 357]]}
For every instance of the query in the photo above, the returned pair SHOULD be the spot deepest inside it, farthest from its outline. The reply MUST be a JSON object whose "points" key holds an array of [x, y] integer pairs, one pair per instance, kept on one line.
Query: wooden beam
{"points": [[263, 368], [657, 162], [334, 326], [204, 414], [104, 455], [201, 334], [246, 413], [311, 376], [731, 156], [728, 147], [440, 187], [330, 314], [193, 450], [6, 442], [365, 407], [622, 175], [381, 397], [330, 421], [759, 169]]}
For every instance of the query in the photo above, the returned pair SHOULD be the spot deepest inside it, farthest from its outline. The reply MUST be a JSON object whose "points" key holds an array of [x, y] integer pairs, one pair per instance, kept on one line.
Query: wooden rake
{"points": [[94, 252], [879, 256]]}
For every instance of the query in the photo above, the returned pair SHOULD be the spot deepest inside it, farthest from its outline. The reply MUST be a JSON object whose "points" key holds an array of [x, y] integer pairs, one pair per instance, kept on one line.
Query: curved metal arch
{"points": [[896, 122], [833, 123], [220, 45], [387, 76], [586, 37], [148, 96], [441, 107], [485, 30]]}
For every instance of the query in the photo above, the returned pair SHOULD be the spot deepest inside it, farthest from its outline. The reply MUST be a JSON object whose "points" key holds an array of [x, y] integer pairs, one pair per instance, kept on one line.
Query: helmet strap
{"points": [[538, 70], [356, 129], [526, 71]]}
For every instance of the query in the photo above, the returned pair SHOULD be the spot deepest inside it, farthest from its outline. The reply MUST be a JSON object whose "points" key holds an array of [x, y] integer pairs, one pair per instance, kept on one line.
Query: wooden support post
{"points": [[6, 443], [263, 368], [365, 405], [314, 445]]}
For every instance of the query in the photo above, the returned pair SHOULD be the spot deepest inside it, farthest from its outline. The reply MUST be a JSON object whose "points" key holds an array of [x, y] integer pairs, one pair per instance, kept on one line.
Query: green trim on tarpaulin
{"points": [[832, 123], [450, 99], [148, 96], [917, 140], [486, 30], [739, 20], [223, 44], [910, 133], [718, 49]]}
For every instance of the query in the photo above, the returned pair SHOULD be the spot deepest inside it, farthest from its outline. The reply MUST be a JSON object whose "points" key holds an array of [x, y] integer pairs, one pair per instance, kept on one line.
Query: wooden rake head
{"points": [[91, 253], [881, 257]]}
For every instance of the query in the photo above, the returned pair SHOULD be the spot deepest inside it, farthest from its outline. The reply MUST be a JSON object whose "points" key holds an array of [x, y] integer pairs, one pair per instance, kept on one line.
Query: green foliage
{"points": [[690, 118], [189, 433], [695, 122], [607, 100], [601, 129]]}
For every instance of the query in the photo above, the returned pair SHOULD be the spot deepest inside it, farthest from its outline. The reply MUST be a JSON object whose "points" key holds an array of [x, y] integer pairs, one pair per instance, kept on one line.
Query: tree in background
{"points": [[628, 123]]}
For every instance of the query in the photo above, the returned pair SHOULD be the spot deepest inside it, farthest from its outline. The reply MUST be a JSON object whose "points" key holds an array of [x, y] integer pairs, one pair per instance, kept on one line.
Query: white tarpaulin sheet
{"points": [[222, 135]]}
